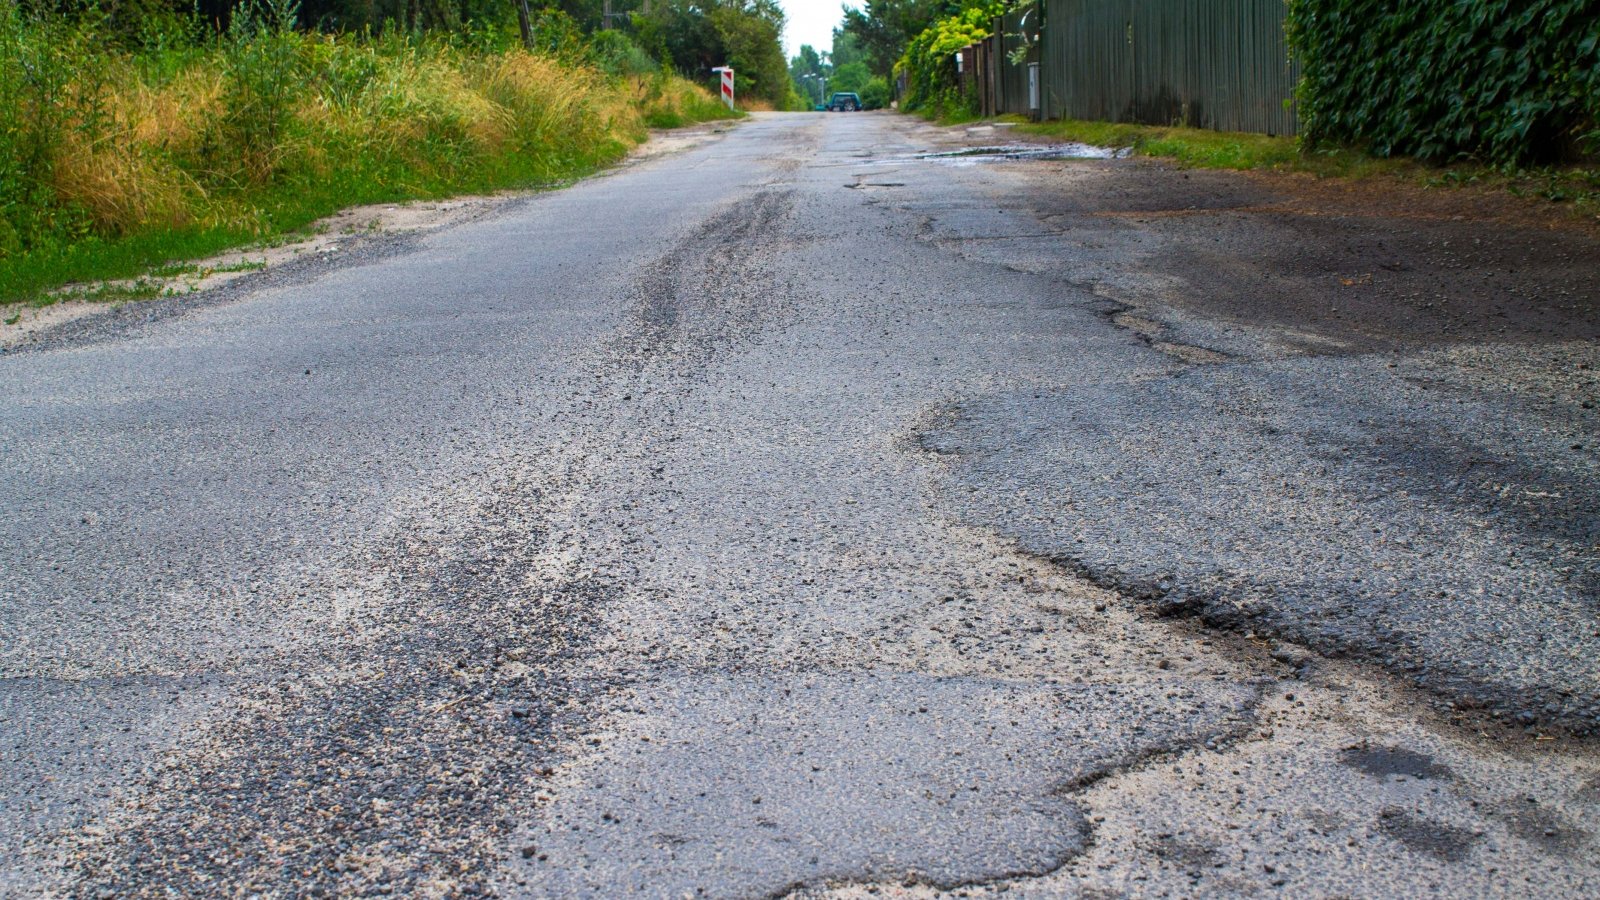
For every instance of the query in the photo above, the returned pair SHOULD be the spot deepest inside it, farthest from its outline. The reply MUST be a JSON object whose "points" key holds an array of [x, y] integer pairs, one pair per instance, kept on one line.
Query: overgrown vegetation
{"points": [[917, 40], [695, 35], [1503, 81], [882, 29], [1204, 148], [124, 147], [932, 82], [1508, 87]]}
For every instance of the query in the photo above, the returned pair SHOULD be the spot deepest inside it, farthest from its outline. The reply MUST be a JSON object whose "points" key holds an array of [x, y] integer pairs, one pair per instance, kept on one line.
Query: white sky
{"points": [[810, 22]]}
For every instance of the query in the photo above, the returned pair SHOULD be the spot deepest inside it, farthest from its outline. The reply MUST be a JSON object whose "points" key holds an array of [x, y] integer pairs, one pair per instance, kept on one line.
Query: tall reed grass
{"points": [[113, 160]]}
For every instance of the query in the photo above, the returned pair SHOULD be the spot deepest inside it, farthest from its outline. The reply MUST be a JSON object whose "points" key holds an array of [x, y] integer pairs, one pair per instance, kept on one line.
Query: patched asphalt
{"points": [[805, 513]]}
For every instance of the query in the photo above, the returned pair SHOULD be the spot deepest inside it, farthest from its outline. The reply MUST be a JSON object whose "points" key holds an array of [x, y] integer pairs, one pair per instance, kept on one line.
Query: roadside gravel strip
{"points": [[795, 515]]}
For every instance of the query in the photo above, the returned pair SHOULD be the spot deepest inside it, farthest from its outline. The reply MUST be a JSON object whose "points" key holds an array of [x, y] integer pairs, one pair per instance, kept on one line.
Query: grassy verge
{"points": [[116, 162], [1201, 148]]}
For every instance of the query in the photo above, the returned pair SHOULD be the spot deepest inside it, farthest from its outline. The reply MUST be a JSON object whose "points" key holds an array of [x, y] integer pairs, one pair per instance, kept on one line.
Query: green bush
{"points": [[1506, 81], [875, 95], [850, 78], [611, 51], [932, 84], [263, 79], [40, 57]]}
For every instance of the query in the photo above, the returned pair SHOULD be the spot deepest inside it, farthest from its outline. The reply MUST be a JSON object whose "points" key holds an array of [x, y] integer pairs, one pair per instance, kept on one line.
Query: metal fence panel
{"points": [[1013, 32], [1221, 64]]}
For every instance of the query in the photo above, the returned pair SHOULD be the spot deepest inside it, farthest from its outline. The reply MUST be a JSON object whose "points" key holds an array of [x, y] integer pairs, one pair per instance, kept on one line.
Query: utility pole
{"points": [[608, 18]]}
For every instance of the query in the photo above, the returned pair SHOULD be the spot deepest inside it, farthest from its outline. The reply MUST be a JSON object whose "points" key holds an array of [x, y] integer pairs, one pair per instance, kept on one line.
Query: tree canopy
{"points": [[883, 28]]}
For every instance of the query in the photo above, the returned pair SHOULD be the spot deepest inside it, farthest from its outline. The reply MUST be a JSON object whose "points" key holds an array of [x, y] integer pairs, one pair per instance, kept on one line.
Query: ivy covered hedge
{"points": [[928, 63], [1506, 81]]}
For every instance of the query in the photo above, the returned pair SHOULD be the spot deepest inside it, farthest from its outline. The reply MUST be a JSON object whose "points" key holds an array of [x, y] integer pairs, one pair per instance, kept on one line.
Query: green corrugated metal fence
{"points": [[1013, 32], [1221, 64]]}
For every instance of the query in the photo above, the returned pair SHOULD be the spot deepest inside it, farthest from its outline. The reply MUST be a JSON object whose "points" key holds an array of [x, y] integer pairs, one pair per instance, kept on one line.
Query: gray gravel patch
{"points": [[756, 785]]}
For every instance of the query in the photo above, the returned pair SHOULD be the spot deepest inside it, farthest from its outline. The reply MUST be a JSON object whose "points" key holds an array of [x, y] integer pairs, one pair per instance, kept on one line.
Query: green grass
{"points": [[956, 116], [243, 265], [179, 269], [1204, 149], [288, 210], [138, 289], [682, 119], [692, 109]]}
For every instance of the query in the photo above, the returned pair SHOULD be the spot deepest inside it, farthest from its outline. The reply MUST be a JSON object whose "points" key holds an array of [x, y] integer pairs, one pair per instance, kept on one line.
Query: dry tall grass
{"points": [[263, 129], [160, 158]]}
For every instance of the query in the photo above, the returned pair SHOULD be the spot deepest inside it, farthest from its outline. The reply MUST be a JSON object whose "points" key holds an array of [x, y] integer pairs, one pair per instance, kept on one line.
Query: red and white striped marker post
{"points": [[727, 84]]}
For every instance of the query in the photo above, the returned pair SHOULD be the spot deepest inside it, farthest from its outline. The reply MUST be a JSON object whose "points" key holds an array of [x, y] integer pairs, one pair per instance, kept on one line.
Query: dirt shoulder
{"points": [[1362, 265]]}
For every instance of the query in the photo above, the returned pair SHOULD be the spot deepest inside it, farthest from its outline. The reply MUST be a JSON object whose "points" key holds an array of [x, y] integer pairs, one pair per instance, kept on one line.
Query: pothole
{"points": [[1190, 353], [1014, 152]]}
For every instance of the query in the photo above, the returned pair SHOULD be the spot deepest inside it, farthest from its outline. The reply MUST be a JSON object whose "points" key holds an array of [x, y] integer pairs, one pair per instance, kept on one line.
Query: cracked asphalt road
{"points": [[798, 515]]}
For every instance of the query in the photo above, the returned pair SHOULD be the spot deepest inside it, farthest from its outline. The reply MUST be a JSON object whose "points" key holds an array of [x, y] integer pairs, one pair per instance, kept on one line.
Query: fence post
{"points": [[1035, 111]]}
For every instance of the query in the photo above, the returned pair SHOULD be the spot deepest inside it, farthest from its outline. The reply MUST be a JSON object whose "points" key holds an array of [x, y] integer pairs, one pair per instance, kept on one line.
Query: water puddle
{"points": [[1011, 152]]}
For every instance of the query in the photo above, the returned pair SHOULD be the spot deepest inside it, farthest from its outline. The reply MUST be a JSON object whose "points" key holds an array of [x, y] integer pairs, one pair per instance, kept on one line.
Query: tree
{"points": [[806, 72], [693, 36], [750, 37], [846, 49], [850, 78], [875, 95], [884, 28]]}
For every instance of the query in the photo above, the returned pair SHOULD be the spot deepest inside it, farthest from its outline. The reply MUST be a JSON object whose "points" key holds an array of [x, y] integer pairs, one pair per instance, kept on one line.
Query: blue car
{"points": [[842, 102]]}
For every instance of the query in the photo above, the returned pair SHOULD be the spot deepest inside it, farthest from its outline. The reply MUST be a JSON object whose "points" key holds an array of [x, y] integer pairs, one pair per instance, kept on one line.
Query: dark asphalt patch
{"points": [[1544, 828], [1384, 762], [1363, 268], [1420, 835]]}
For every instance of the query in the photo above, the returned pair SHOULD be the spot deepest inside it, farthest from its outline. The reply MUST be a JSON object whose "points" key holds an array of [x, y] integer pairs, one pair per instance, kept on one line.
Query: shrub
{"points": [[1507, 81], [875, 95], [670, 102], [262, 77], [928, 63], [613, 52]]}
